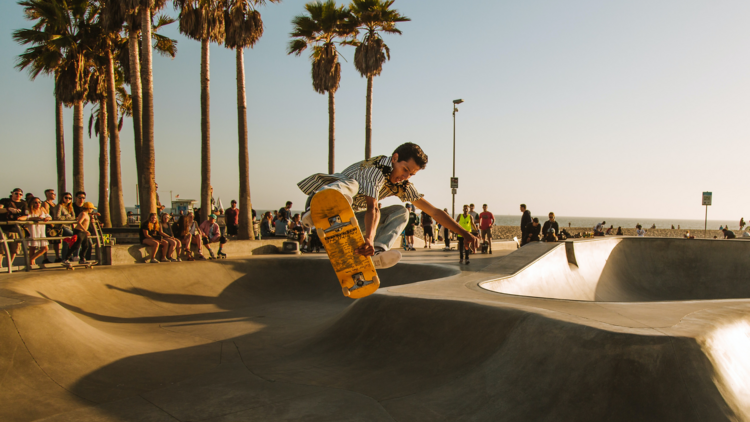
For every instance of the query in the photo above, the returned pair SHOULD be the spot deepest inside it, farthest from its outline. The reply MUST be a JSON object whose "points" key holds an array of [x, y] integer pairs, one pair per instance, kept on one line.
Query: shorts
{"points": [[487, 232], [428, 231], [409, 231]]}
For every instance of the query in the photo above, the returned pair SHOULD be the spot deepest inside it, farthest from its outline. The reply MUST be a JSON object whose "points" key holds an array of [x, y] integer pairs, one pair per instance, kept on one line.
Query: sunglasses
{"points": [[81, 197], [18, 193], [67, 197]]}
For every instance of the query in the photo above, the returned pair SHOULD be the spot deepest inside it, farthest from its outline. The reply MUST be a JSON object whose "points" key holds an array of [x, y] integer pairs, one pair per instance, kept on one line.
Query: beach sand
{"points": [[509, 232]]}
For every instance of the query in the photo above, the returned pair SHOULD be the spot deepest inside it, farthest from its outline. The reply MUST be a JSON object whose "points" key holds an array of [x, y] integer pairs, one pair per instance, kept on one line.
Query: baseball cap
{"points": [[89, 205], [212, 216]]}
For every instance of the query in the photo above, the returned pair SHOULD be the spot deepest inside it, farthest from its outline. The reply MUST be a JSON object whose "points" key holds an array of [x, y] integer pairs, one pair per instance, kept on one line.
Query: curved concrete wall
{"points": [[635, 269]]}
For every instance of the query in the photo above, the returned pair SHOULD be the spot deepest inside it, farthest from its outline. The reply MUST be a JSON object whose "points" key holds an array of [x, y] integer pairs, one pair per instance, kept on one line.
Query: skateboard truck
{"points": [[359, 282], [337, 224]]}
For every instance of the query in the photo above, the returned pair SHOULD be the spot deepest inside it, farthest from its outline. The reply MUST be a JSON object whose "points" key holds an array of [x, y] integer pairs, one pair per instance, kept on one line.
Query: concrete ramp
{"points": [[273, 339], [635, 270]]}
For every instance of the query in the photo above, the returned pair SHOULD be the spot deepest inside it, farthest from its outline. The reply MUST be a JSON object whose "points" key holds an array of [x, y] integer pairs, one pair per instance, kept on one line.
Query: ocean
{"points": [[515, 220]]}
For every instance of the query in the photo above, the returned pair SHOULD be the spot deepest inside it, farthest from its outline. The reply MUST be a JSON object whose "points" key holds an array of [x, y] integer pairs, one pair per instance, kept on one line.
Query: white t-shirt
{"points": [[640, 232], [599, 227]]}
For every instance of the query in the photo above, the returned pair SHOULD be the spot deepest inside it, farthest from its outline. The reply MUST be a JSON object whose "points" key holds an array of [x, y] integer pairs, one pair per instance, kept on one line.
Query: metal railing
{"points": [[24, 240]]}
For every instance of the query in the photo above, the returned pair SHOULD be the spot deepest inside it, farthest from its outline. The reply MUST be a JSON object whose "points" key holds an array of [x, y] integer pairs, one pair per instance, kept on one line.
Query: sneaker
{"points": [[173, 260], [461, 261], [164, 260], [46, 261], [386, 259], [58, 260], [153, 261], [66, 263], [178, 259], [82, 261], [201, 257], [467, 262]]}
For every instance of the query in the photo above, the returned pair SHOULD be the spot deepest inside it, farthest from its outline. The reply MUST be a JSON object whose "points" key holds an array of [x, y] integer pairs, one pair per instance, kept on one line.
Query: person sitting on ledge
{"points": [[168, 232], [212, 234], [728, 234], [532, 232], [151, 235], [281, 224], [266, 229]]}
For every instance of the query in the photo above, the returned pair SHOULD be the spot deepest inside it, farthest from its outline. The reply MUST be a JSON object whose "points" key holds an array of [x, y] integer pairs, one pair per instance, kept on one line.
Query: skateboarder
{"points": [[367, 182]]}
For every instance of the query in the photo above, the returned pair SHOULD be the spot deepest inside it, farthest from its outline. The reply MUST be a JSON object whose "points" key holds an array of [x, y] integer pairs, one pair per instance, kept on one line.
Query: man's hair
{"points": [[46, 191], [80, 192], [410, 151], [523, 205], [289, 202], [484, 205], [233, 202], [471, 205], [536, 220]]}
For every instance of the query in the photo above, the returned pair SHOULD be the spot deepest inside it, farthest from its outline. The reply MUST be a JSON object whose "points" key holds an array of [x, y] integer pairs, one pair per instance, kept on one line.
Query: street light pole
{"points": [[453, 190]]}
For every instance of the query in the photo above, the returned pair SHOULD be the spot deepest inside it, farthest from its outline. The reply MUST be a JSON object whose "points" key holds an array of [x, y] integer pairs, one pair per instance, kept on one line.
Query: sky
{"points": [[583, 108]]}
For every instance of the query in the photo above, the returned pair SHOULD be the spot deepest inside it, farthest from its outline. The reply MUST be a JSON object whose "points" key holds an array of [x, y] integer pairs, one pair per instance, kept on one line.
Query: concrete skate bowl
{"points": [[274, 340], [635, 270]]}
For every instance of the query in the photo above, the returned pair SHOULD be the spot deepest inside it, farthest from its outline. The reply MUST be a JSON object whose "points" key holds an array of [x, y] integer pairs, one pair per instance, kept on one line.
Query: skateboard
{"points": [[89, 265], [485, 247], [338, 229]]}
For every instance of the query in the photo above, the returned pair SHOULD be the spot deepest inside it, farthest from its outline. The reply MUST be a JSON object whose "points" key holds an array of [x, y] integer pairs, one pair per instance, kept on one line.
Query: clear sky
{"points": [[587, 108]]}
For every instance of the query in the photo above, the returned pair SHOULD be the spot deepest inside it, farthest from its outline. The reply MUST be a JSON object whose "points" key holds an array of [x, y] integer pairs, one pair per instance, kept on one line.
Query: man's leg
{"points": [[348, 187], [447, 238], [461, 248], [393, 219]]}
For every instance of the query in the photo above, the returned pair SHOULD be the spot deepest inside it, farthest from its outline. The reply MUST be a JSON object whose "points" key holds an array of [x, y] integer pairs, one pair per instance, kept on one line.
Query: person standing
{"points": [[525, 221], [81, 230], [639, 231], [486, 221], [475, 216], [410, 226], [429, 233], [446, 234], [551, 229], [231, 217], [466, 221], [16, 209], [38, 246]]}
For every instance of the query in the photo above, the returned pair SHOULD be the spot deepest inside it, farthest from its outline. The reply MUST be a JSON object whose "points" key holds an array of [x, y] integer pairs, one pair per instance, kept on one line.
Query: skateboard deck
{"points": [[339, 231]]}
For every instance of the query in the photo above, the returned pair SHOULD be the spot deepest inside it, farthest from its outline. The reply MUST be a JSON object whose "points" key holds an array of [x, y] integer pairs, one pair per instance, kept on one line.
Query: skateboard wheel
{"points": [[345, 291], [321, 233], [353, 221]]}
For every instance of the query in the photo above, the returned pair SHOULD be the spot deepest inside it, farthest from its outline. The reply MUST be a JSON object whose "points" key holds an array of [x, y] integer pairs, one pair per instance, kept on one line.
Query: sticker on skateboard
{"points": [[338, 229]]}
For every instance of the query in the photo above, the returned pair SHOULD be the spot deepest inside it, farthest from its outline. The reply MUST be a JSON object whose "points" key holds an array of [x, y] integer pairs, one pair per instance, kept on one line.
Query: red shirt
{"points": [[231, 216], [485, 220]]}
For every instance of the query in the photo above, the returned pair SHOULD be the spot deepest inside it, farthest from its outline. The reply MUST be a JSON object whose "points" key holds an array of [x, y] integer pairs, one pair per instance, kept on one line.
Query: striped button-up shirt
{"points": [[373, 178]]}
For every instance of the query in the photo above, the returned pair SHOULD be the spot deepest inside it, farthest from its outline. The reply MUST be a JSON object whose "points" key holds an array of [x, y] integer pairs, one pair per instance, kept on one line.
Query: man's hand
{"points": [[471, 242], [367, 248]]}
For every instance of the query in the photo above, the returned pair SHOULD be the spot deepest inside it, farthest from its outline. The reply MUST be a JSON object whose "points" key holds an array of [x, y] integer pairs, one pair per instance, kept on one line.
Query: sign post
{"points": [[706, 201]]}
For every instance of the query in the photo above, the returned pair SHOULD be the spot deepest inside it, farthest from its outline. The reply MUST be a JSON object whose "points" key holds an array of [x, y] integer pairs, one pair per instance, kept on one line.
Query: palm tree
{"points": [[203, 20], [244, 28], [137, 14], [44, 57], [320, 29], [97, 94], [373, 17]]}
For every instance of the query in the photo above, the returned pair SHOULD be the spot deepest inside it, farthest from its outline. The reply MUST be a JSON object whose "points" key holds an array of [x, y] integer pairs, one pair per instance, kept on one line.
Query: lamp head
{"points": [[459, 101]]}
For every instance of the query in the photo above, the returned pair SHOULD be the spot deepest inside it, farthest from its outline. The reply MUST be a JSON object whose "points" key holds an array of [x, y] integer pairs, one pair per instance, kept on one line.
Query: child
{"points": [[81, 230]]}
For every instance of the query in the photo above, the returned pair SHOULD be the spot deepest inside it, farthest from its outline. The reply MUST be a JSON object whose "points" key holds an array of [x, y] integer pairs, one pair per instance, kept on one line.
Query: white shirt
{"points": [[641, 232]]}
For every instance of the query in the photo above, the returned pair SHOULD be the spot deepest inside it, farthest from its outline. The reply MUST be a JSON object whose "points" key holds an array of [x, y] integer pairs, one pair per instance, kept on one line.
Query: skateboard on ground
{"points": [[338, 229], [72, 266], [486, 247]]}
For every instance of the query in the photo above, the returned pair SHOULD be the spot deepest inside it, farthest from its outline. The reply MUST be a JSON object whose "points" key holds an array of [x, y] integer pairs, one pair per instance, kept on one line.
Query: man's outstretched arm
{"points": [[372, 217], [443, 218]]}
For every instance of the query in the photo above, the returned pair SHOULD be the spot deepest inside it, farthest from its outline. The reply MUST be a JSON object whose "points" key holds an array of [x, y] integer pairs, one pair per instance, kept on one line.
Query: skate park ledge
{"points": [[139, 254]]}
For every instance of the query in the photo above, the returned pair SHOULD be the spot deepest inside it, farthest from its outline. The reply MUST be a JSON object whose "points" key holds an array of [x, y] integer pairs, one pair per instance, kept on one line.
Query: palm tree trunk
{"points": [[205, 133], [104, 218], [78, 147], [148, 162], [60, 147], [135, 93], [331, 130], [368, 120], [118, 216], [245, 230]]}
